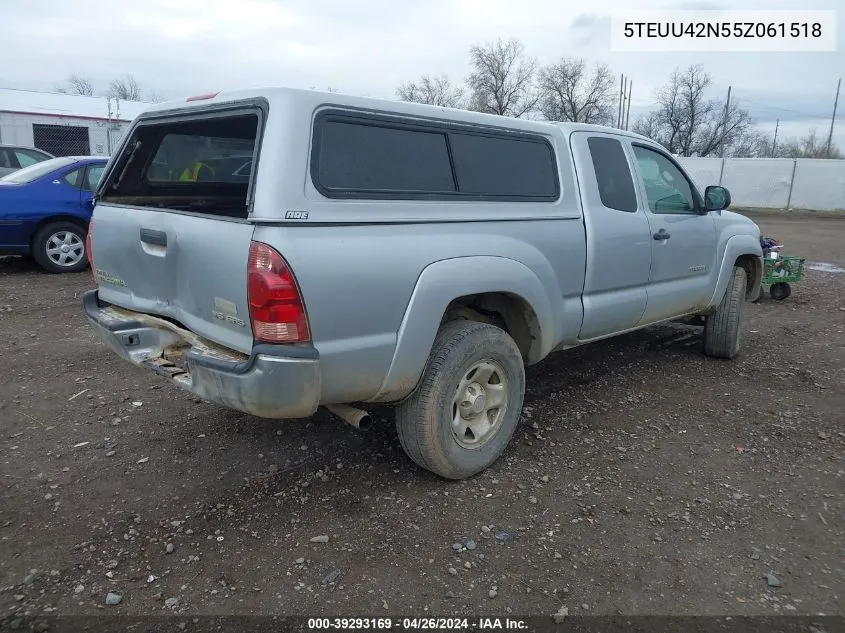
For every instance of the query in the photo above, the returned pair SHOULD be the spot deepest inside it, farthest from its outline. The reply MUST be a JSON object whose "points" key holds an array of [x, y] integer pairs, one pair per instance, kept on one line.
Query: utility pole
{"points": [[624, 95], [619, 105], [725, 123], [628, 112], [109, 126], [775, 139], [833, 118], [621, 99]]}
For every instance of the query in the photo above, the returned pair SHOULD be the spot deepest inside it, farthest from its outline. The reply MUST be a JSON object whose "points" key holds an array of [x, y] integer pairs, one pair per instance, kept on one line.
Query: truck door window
{"points": [[666, 187], [613, 176]]}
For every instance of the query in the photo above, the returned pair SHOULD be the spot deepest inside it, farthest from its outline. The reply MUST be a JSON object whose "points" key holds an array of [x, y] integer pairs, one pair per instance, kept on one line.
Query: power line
{"points": [[771, 107]]}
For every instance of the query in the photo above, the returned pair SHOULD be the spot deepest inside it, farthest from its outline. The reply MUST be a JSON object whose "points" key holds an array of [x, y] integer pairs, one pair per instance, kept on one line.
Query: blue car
{"points": [[45, 209]]}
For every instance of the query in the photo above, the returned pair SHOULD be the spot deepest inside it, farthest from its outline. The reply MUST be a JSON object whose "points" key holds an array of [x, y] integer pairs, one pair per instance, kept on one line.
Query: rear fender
{"points": [[438, 285]]}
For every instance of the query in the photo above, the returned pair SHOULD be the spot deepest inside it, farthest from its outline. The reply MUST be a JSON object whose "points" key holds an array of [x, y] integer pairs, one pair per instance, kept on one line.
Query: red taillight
{"points": [[276, 308], [88, 250]]}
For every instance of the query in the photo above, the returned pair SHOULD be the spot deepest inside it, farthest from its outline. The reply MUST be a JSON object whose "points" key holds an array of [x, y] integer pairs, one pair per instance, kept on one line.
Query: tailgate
{"points": [[170, 234], [188, 268]]}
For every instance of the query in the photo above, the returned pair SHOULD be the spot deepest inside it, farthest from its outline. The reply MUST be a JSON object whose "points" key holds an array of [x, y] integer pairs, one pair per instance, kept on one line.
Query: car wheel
{"points": [[60, 248], [467, 406], [723, 329]]}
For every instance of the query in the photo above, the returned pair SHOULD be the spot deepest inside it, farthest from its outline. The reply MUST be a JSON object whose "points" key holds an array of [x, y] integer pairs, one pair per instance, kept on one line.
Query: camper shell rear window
{"points": [[202, 163]]}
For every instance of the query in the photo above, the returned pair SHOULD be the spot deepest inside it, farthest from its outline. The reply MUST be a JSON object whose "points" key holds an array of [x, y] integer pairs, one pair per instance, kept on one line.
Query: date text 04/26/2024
{"points": [[416, 624]]}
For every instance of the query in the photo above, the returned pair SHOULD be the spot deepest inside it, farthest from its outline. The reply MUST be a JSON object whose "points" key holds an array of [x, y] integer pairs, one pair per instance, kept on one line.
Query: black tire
{"points": [[723, 329], [51, 262], [462, 350], [780, 291]]}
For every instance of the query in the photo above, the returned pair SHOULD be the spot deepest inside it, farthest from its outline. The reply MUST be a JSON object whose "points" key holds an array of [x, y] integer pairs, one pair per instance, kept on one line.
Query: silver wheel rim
{"points": [[65, 249], [479, 404]]}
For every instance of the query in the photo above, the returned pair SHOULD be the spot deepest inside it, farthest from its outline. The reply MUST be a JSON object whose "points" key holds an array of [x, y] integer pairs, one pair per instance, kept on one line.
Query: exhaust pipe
{"points": [[361, 420]]}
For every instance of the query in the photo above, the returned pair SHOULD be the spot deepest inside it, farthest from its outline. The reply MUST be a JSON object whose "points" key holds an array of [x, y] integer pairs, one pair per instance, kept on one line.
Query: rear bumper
{"points": [[271, 382]]}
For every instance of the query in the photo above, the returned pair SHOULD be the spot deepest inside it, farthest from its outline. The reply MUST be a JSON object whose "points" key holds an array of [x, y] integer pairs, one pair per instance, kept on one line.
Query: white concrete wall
{"points": [[774, 183], [819, 184], [758, 182], [16, 129]]}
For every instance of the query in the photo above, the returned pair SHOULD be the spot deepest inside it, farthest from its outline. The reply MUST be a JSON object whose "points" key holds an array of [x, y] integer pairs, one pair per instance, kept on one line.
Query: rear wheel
{"points": [[723, 329], [467, 406], [60, 248]]}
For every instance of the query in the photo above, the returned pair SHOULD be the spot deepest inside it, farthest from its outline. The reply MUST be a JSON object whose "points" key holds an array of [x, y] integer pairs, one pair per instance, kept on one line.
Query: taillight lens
{"points": [[88, 250], [276, 309]]}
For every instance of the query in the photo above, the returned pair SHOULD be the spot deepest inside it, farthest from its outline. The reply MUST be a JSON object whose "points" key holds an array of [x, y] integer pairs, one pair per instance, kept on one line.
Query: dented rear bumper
{"points": [[271, 382]]}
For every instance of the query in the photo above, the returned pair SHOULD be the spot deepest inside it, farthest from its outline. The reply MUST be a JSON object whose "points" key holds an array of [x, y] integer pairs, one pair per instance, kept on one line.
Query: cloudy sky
{"points": [[182, 47]]}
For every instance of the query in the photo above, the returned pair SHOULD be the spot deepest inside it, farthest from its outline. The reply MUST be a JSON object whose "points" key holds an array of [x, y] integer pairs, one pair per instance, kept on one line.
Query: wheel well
{"points": [[57, 218], [510, 312], [753, 273]]}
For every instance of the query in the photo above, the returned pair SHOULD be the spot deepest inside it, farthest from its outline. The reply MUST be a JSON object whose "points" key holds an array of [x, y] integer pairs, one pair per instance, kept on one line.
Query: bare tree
{"points": [[810, 146], [689, 124], [751, 144], [439, 91], [126, 89], [570, 91], [502, 81], [154, 96], [77, 85]]}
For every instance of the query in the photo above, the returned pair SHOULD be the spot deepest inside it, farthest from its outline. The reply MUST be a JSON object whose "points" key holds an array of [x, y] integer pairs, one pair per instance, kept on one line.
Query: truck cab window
{"points": [[613, 176], [667, 189]]}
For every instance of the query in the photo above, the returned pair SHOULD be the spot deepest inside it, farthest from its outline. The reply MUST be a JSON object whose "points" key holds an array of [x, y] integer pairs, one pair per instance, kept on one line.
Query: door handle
{"points": [[661, 235], [156, 238]]}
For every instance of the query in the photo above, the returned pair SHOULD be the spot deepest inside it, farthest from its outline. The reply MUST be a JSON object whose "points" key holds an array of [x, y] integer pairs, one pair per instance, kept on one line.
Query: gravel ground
{"points": [[644, 479]]}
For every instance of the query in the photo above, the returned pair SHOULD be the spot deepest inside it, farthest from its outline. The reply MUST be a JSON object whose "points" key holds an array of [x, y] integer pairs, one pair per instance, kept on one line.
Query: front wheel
{"points": [[60, 248], [467, 406], [723, 329]]}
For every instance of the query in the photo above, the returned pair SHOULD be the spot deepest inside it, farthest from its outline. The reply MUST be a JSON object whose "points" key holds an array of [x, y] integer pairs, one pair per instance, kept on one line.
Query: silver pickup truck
{"points": [[274, 251]]}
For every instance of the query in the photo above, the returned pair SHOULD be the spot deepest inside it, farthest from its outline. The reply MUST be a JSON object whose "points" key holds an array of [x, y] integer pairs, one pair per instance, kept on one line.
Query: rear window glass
{"points": [[36, 171], [495, 166], [203, 165], [613, 176], [188, 158], [369, 158]]}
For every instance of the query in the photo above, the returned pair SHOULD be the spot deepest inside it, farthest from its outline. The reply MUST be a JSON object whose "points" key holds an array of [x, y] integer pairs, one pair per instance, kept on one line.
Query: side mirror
{"points": [[716, 198]]}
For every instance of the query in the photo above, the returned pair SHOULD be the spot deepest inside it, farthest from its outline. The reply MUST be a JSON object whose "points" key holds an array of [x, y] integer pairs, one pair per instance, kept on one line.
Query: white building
{"points": [[64, 125]]}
